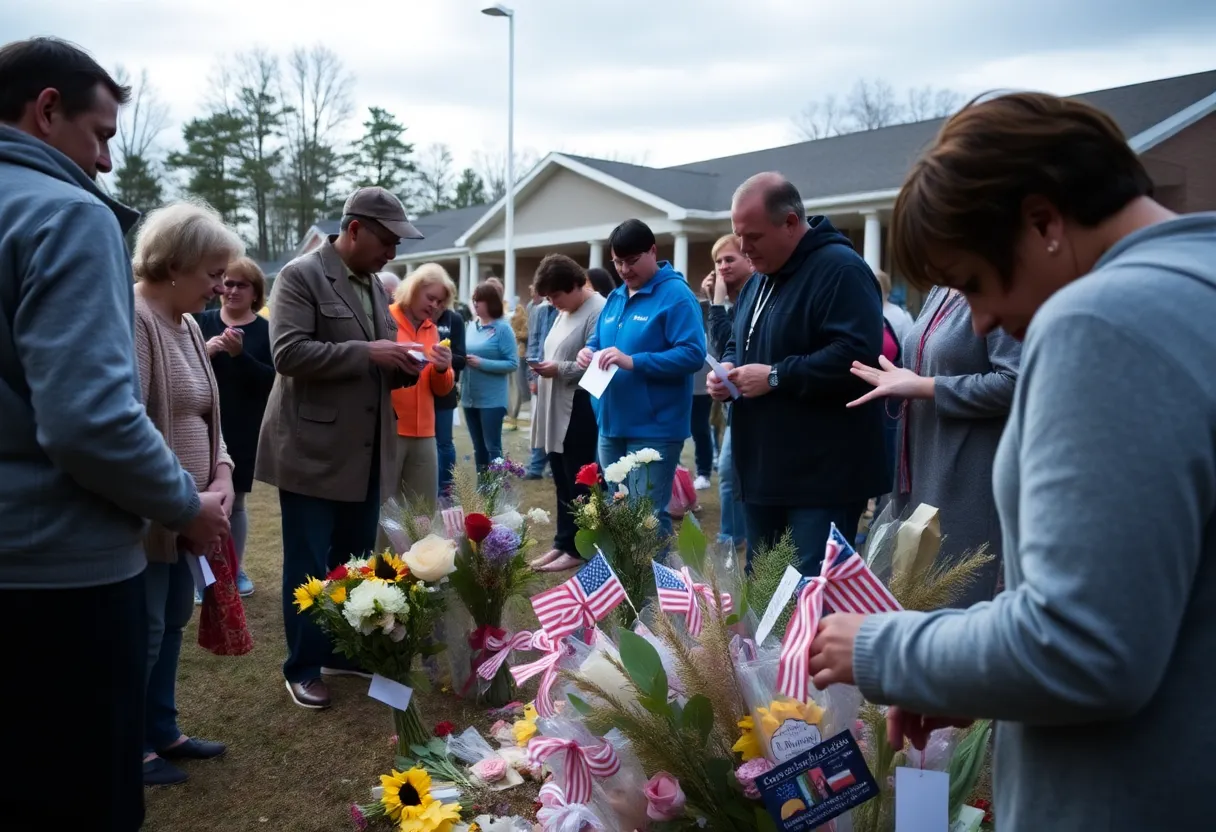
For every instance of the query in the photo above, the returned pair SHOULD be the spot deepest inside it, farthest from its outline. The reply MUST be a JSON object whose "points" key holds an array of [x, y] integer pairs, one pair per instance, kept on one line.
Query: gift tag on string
{"points": [[785, 591], [922, 800]]}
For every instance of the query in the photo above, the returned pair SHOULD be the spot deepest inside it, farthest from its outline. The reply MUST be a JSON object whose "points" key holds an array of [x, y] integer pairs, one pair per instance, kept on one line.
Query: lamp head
{"points": [[498, 10]]}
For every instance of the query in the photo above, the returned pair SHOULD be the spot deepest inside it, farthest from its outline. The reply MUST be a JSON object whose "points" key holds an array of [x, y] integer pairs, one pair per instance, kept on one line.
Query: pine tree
{"points": [[210, 158], [382, 156], [470, 190]]}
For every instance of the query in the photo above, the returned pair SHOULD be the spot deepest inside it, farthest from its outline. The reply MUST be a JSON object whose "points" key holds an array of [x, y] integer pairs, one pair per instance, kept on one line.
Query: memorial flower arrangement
{"points": [[380, 612], [622, 526], [407, 803]]}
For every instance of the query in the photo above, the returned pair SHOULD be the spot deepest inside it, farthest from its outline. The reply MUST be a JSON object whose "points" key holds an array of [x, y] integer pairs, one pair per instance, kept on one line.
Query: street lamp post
{"points": [[499, 10]]}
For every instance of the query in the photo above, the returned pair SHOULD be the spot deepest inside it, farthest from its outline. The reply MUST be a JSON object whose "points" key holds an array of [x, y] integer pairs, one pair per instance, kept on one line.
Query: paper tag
{"points": [[968, 820], [393, 694], [721, 372], [200, 570], [594, 380], [793, 737], [922, 800], [815, 787], [785, 591]]}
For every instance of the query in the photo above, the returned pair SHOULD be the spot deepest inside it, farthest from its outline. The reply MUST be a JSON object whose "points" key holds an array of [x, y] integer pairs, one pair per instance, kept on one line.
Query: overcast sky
{"points": [[654, 81]]}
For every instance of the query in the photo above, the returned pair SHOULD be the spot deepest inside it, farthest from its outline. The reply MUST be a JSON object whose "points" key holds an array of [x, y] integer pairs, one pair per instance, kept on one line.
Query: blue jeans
{"points": [[446, 449], [702, 436], [169, 595], [653, 480], [485, 429], [810, 525], [318, 535], [733, 526], [538, 462]]}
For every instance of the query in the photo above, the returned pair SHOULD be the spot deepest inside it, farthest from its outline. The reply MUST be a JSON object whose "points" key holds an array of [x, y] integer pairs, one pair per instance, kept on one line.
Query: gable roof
{"points": [[440, 230]]}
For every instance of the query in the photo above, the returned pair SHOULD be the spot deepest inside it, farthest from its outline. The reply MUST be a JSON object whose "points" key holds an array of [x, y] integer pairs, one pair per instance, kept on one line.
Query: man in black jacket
{"points": [[802, 459]]}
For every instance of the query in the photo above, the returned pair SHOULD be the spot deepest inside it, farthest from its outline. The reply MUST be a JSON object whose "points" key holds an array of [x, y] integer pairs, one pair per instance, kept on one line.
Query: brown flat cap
{"points": [[378, 204]]}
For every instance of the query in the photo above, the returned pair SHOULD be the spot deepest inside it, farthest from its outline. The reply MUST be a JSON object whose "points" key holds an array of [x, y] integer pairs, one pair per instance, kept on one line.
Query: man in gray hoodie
{"points": [[81, 465]]}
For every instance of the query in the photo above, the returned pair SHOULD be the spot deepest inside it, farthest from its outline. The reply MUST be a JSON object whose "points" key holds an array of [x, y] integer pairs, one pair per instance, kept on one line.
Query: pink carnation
{"points": [[747, 773], [491, 769]]}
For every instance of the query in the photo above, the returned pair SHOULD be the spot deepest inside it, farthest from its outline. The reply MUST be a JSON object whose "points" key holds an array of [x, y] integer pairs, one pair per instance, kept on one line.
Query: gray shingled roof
{"points": [[875, 160], [441, 229]]}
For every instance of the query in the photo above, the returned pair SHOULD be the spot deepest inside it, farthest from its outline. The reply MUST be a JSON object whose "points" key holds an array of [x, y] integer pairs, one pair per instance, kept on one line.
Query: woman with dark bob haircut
{"points": [[564, 422], [1099, 652]]}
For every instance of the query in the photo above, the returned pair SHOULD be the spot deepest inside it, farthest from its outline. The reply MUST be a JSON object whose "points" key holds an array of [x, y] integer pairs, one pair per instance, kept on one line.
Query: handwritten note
{"points": [[393, 694], [785, 591], [721, 372], [594, 380]]}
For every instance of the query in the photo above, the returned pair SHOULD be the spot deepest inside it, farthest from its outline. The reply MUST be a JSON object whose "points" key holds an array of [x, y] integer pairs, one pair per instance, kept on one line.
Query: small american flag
{"points": [[679, 595], [453, 522], [848, 585], [591, 594]]}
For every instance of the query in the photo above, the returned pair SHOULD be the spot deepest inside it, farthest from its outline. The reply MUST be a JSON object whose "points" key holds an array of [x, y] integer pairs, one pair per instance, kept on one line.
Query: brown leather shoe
{"points": [[311, 694]]}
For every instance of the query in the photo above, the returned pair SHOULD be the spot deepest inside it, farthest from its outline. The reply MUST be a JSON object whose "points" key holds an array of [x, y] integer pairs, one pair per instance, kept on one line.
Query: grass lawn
{"points": [[289, 769]]}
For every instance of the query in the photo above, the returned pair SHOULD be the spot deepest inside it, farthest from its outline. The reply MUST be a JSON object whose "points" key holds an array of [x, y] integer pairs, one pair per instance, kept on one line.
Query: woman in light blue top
{"points": [[491, 359]]}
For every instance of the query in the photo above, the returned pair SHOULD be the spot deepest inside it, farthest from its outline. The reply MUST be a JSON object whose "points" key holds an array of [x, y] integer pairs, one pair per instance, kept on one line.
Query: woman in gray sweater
{"points": [[955, 388], [1097, 658], [564, 423]]}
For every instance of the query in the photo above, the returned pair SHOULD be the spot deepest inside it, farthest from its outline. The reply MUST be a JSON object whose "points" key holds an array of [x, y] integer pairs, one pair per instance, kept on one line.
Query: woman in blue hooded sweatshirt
{"points": [[650, 327]]}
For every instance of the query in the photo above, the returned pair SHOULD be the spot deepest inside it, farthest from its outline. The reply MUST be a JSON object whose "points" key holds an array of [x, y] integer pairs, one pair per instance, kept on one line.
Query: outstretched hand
{"points": [[890, 382]]}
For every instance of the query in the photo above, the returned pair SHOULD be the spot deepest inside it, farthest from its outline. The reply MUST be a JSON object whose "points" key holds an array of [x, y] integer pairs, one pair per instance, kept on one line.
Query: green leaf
{"points": [[584, 541], [721, 772], [579, 704], [438, 747], [419, 681], [642, 663], [966, 763], [692, 543], [699, 716], [732, 619], [421, 751]]}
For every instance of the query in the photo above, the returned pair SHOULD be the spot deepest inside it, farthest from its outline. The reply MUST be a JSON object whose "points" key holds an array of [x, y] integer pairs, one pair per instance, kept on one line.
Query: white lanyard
{"points": [[766, 292]]}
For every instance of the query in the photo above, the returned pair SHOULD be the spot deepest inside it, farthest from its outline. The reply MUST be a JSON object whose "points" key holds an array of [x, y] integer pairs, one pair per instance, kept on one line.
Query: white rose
{"points": [[647, 456], [539, 516], [513, 520], [431, 558]]}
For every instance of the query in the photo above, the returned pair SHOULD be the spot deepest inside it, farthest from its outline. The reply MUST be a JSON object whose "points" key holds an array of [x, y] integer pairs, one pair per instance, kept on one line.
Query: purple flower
{"points": [[507, 466], [500, 544]]}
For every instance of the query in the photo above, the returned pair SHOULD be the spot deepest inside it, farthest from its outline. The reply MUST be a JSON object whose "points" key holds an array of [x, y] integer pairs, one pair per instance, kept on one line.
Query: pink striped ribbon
{"points": [[848, 586], [546, 665], [578, 764], [500, 648], [692, 609]]}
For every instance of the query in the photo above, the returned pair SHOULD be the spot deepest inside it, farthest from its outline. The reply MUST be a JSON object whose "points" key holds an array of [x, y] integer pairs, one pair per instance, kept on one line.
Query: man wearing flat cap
{"points": [[327, 438]]}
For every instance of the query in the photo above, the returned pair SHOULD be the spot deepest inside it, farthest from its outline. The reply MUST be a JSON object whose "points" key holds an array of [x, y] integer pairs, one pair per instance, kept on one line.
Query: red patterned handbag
{"points": [[221, 625]]}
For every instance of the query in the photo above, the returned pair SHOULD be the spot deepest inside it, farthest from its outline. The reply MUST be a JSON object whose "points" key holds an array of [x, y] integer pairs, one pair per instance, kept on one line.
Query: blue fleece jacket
{"points": [[661, 328], [80, 462]]}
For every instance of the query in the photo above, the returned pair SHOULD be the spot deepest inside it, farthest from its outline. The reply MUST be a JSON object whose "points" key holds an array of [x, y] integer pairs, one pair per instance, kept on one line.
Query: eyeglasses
{"points": [[235, 284], [628, 261], [386, 237]]}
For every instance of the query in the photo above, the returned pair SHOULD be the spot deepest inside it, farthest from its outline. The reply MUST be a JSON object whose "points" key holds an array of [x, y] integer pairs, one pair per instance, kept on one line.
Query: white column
{"points": [[463, 282], [872, 248], [595, 260], [680, 255], [474, 277]]}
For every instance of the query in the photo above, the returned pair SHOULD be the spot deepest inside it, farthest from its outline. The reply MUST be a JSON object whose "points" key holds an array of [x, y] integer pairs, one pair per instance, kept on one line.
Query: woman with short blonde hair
{"points": [[181, 257], [423, 294]]}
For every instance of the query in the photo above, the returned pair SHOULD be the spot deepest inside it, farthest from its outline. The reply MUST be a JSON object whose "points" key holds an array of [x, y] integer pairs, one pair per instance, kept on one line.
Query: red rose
{"points": [[337, 574], [477, 527], [445, 728], [588, 475]]}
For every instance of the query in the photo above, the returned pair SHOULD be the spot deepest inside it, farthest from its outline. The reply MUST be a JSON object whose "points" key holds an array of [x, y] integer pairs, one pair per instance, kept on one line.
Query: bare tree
{"points": [[317, 93], [926, 102], [492, 165], [872, 104], [435, 180], [821, 119], [142, 121]]}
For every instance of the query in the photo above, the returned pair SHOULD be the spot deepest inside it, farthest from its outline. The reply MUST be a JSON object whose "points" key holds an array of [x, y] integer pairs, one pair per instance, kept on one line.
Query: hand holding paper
{"points": [[721, 372], [595, 379]]}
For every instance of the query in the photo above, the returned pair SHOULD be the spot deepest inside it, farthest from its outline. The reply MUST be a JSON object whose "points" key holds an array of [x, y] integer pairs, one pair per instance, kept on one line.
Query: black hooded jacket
{"points": [[799, 445]]}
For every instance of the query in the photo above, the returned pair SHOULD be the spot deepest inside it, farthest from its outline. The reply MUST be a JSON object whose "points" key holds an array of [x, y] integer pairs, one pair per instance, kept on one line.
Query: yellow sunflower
{"points": [[405, 793], [748, 745], [338, 596], [385, 568], [435, 816], [307, 593]]}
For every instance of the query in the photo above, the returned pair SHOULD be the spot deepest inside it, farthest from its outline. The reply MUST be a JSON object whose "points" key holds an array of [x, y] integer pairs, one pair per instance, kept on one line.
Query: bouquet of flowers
{"points": [[380, 612], [624, 527], [407, 799]]}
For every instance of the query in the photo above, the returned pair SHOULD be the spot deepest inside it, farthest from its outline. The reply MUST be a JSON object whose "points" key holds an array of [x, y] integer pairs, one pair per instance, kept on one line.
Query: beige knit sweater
{"points": [[178, 387]]}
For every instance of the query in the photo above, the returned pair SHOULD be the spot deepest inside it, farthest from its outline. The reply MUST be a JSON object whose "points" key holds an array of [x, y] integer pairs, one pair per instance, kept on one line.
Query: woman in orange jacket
{"points": [[420, 296]]}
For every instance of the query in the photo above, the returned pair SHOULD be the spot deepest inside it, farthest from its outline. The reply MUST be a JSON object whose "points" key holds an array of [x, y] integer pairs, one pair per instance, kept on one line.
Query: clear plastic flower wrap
{"points": [[617, 798], [487, 764]]}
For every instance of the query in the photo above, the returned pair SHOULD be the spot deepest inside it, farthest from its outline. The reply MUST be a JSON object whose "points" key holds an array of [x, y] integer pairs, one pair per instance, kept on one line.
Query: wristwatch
{"points": [[772, 378]]}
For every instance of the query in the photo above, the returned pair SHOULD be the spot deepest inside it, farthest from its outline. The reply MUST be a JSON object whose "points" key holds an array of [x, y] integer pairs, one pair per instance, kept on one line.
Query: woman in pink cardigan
{"points": [[181, 254]]}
